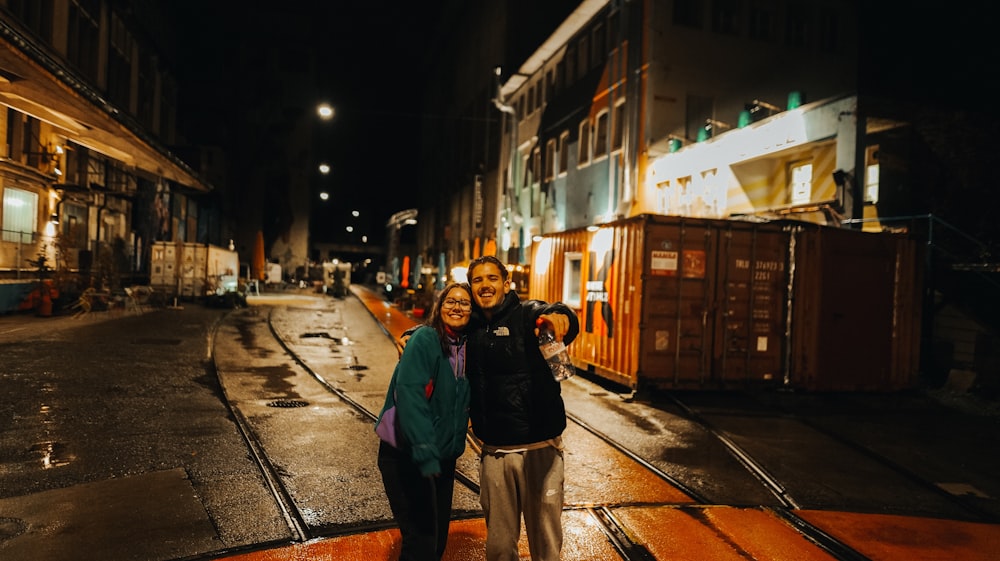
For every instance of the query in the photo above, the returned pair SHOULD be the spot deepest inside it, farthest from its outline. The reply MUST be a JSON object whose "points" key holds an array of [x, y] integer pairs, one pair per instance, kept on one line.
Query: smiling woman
{"points": [[423, 426]]}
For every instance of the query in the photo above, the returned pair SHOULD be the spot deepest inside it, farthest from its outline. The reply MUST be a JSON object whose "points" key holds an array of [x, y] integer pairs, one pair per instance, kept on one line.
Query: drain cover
{"points": [[287, 403]]}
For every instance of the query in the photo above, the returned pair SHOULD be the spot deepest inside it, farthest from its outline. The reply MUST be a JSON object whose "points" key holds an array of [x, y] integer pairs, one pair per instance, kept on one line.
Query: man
{"points": [[517, 412]]}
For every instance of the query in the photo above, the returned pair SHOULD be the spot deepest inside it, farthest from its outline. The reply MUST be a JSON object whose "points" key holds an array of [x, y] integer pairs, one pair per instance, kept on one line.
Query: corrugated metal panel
{"points": [[606, 297], [854, 312], [714, 313], [681, 303], [750, 303], [907, 333]]}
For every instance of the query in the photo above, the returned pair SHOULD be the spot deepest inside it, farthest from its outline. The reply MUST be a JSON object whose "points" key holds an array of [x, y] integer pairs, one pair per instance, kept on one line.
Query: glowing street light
{"points": [[324, 168], [325, 111], [324, 195]]}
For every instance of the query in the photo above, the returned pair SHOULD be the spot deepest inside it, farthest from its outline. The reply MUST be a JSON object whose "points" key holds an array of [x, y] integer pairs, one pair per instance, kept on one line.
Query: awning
{"points": [[34, 82]]}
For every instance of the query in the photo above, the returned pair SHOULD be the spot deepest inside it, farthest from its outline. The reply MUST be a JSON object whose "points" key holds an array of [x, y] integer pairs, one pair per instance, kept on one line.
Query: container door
{"points": [[750, 312], [676, 337]]}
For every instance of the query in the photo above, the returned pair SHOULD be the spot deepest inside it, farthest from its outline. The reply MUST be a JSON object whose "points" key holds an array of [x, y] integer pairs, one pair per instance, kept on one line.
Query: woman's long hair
{"points": [[435, 321]]}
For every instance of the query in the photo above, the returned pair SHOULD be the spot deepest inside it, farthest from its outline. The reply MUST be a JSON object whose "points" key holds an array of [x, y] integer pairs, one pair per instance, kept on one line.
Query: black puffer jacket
{"points": [[515, 399]]}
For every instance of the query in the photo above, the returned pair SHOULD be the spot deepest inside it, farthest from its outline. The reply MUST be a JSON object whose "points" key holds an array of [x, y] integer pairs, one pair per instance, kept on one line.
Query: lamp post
{"points": [[507, 199]]}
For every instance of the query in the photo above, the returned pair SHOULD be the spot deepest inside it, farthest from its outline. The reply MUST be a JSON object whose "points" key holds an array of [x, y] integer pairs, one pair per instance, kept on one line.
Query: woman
{"points": [[431, 397]]}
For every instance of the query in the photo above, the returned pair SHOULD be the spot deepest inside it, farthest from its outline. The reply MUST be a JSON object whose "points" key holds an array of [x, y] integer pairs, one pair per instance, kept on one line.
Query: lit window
{"points": [[801, 182], [572, 279], [20, 215], [871, 183], [871, 175]]}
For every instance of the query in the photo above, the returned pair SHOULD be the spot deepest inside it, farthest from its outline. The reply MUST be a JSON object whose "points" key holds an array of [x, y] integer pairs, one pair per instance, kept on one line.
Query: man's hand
{"points": [[559, 323]]}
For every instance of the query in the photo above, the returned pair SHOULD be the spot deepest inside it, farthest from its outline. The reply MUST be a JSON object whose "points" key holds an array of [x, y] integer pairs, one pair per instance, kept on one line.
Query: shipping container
{"points": [[192, 270], [857, 310], [682, 303]]}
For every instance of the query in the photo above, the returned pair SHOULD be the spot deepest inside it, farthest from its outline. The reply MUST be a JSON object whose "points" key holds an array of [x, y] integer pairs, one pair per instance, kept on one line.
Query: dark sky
{"points": [[369, 61]]}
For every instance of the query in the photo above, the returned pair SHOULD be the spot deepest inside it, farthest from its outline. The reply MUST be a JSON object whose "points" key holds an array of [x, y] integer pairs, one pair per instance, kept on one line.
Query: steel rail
{"points": [[770, 482], [459, 476], [293, 517]]}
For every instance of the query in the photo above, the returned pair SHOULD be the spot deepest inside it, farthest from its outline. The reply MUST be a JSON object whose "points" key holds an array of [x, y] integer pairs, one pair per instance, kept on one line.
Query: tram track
{"points": [[602, 513]]}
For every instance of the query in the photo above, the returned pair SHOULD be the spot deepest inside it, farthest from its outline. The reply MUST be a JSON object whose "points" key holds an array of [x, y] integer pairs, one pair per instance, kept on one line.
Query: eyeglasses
{"points": [[462, 304]]}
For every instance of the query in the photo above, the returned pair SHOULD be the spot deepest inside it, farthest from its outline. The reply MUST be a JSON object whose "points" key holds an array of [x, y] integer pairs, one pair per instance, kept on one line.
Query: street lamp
{"points": [[325, 111], [324, 168], [324, 196]]}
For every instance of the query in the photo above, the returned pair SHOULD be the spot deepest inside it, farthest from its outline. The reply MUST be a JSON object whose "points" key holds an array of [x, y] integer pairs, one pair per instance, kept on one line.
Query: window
{"points": [[550, 85], [83, 36], [583, 146], [35, 15], [871, 175], [31, 145], [571, 74], [600, 45], [583, 51], [726, 16], [536, 165], [120, 63], [531, 100], [572, 278], [563, 152], [796, 26], [828, 32], [800, 186], [761, 20], [74, 225], [619, 125], [601, 135], [20, 215], [688, 13], [550, 159]]}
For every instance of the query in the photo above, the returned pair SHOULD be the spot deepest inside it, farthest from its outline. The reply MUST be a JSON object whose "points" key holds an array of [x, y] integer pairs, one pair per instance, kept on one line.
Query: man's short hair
{"points": [[483, 260]]}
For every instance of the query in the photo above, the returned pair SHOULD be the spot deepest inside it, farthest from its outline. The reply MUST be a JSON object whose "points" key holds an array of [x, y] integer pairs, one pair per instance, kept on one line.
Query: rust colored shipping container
{"points": [[857, 311], [671, 302], [682, 303]]}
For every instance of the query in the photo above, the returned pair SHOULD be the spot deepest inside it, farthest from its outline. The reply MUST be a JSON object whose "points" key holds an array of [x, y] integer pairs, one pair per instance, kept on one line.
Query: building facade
{"points": [[681, 108], [89, 108]]}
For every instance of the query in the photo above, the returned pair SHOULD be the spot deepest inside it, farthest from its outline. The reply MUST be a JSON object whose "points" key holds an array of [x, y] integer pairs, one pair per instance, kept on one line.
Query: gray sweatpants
{"points": [[528, 482]]}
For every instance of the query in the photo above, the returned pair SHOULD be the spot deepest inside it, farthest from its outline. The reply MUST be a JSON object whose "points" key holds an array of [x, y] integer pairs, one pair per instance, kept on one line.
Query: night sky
{"points": [[368, 66]]}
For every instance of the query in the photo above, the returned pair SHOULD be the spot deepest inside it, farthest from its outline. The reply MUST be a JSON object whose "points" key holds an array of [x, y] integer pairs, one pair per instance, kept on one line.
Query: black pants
{"points": [[421, 505]]}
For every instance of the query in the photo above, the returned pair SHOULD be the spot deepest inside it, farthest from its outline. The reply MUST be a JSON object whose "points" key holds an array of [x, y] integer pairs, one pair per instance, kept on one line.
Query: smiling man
{"points": [[517, 412]]}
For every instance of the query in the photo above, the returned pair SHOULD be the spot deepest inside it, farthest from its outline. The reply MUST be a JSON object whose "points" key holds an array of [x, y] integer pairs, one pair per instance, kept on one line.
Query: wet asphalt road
{"points": [[116, 437]]}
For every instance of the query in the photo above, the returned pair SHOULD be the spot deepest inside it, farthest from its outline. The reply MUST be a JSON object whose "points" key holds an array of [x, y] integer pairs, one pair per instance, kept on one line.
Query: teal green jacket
{"points": [[432, 429]]}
